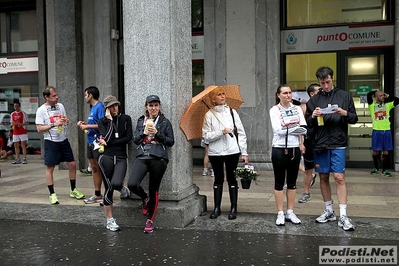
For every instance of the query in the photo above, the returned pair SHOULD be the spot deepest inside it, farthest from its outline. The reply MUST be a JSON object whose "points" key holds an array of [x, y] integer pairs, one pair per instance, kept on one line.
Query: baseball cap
{"points": [[152, 98]]}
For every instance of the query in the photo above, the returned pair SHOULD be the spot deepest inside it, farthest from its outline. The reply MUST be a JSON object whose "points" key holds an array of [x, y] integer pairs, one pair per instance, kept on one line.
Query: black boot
{"points": [[217, 194], [233, 190]]}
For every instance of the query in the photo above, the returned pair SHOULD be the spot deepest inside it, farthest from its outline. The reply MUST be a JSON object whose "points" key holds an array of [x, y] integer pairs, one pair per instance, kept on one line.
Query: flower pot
{"points": [[245, 184]]}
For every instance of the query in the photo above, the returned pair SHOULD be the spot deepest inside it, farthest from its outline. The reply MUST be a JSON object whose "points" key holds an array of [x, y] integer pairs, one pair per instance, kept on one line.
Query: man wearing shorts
{"points": [[19, 121], [381, 138], [92, 94], [308, 157], [51, 121], [330, 140]]}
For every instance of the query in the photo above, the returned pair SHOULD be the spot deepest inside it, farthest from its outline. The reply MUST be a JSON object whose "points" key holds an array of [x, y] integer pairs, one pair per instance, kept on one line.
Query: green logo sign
{"points": [[363, 89], [9, 93]]}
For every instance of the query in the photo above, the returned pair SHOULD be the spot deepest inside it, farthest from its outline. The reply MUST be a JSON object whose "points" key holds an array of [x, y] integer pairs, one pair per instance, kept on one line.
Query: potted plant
{"points": [[246, 173]]}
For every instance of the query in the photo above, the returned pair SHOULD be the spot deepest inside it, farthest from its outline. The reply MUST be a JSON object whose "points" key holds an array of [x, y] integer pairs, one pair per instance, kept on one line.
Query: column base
{"points": [[170, 214]]}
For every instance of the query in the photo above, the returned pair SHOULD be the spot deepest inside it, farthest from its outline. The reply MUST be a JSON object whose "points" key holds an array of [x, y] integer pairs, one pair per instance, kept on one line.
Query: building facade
{"points": [[257, 44], [132, 48]]}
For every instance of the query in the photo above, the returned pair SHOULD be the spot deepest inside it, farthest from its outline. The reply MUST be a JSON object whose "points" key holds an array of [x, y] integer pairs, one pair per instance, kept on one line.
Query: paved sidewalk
{"points": [[372, 204], [368, 195]]}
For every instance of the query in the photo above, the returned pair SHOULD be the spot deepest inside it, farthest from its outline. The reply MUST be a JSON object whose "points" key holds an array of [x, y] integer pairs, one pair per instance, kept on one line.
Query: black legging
{"points": [[283, 163], [218, 163], [113, 169], [156, 168]]}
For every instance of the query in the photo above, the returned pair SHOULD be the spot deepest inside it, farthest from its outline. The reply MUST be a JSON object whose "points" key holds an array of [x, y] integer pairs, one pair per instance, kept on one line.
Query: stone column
{"points": [[157, 60], [220, 19], [64, 63]]}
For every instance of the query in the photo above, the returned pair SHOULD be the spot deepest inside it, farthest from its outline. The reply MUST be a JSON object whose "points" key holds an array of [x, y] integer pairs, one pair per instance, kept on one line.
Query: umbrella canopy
{"points": [[193, 118]]}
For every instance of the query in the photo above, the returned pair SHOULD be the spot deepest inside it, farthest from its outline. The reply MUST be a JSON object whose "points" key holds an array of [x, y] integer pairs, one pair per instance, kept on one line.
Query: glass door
{"points": [[363, 71]]}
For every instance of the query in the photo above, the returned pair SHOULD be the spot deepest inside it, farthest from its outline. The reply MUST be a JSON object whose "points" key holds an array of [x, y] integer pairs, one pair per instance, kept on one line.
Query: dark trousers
{"points": [[218, 165], [156, 169], [113, 171], [285, 164]]}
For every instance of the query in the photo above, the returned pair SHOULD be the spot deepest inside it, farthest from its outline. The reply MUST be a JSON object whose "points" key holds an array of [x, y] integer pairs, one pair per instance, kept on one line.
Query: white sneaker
{"points": [[345, 223], [111, 225], [326, 216], [292, 218], [212, 173], [125, 193], [205, 172], [280, 219]]}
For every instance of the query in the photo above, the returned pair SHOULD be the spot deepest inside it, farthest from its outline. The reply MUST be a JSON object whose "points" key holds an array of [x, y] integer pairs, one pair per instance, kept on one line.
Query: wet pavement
{"points": [[58, 243], [73, 233]]}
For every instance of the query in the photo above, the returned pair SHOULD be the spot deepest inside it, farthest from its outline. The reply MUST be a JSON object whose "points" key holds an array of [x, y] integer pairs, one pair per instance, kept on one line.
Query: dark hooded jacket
{"points": [[164, 138], [121, 124], [334, 133]]}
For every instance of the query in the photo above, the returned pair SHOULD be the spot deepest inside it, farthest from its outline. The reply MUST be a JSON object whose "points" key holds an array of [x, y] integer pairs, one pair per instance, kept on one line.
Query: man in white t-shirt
{"points": [[51, 121]]}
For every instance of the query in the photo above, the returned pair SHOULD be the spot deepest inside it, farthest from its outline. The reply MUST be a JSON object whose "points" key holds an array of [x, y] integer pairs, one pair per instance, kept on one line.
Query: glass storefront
{"points": [[19, 69], [361, 56], [358, 72], [302, 13]]}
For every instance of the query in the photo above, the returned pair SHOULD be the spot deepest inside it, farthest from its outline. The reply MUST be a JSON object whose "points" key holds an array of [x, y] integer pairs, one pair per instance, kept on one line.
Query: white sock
{"points": [[342, 209], [89, 169], [289, 212], [329, 205], [280, 212]]}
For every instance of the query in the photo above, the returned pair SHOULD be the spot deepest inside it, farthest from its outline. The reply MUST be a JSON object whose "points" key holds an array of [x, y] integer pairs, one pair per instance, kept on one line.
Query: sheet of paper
{"points": [[329, 110]]}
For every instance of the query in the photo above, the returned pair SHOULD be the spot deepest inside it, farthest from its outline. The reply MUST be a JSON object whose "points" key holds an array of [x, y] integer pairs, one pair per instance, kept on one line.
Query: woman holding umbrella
{"points": [[224, 148]]}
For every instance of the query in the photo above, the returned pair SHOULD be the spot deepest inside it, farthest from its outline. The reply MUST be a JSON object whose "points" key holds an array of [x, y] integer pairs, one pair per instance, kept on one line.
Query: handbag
{"points": [[234, 123]]}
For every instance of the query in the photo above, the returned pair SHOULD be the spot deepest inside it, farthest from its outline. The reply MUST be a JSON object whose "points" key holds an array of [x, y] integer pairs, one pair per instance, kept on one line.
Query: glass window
{"points": [[301, 68], [23, 26], [301, 13], [3, 35], [197, 18]]}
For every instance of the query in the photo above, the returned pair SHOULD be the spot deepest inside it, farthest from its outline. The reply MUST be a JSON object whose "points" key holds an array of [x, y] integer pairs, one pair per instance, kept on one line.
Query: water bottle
{"points": [[101, 149], [320, 121]]}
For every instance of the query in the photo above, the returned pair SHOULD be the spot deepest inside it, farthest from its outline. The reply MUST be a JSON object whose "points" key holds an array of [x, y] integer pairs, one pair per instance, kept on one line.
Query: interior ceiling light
{"points": [[358, 66]]}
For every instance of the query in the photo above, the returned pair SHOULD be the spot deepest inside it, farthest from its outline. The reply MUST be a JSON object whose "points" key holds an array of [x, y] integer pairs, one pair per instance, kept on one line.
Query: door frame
{"points": [[389, 73]]}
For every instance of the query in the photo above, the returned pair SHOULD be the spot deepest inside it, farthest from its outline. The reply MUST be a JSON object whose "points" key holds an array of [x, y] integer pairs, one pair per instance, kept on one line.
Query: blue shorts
{"points": [[330, 160], [56, 152], [381, 140]]}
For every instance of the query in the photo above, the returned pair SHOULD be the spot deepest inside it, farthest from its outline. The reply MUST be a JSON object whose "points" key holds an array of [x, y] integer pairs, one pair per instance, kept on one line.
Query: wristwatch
{"points": [[52, 125]]}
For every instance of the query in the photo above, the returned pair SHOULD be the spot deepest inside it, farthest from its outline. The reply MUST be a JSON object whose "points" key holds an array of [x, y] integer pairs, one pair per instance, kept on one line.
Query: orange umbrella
{"points": [[193, 118]]}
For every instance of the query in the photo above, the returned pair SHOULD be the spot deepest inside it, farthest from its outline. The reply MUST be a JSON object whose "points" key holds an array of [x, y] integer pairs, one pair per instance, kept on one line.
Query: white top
{"points": [[45, 115], [215, 121], [281, 119]]}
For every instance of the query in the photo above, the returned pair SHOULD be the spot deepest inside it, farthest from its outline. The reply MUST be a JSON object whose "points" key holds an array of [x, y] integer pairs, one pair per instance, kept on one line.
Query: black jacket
{"points": [[121, 124], [334, 133], [164, 138]]}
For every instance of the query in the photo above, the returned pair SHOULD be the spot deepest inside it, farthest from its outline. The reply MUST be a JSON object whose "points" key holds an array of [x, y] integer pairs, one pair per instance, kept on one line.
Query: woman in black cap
{"points": [[116, 132], [153, 134]]}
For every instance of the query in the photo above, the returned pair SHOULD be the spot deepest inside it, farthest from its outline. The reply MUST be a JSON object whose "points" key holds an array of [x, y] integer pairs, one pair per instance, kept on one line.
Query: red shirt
{"points": [[18, 118]]}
